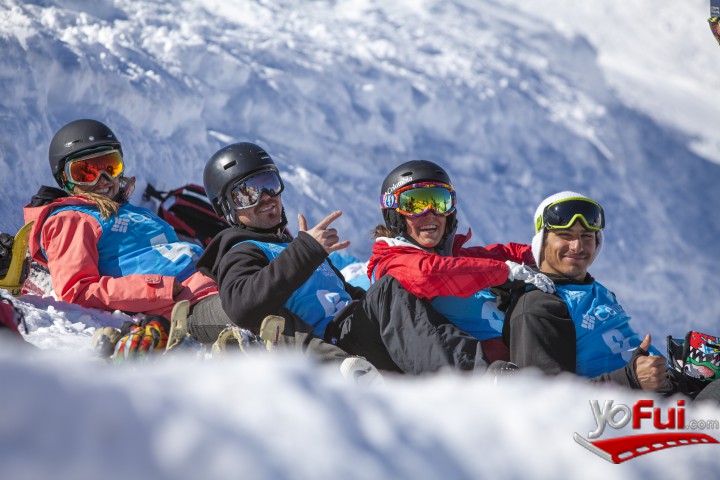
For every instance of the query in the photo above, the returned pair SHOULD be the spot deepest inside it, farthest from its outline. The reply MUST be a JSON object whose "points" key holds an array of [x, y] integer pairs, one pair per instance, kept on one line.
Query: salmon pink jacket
{"points": [[128, 262]]}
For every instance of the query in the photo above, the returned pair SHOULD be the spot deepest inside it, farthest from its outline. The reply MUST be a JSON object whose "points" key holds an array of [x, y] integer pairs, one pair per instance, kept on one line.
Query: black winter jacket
{"points": [[251, 287], [540, 333]]}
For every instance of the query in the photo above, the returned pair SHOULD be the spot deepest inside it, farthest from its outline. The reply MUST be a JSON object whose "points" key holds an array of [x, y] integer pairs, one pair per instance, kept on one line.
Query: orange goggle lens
{"points": [[87, 170], [417, 199]]}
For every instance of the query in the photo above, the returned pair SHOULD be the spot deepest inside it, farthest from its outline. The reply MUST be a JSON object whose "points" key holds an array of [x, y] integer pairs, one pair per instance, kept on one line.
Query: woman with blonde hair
{"points": [[102, 251]]}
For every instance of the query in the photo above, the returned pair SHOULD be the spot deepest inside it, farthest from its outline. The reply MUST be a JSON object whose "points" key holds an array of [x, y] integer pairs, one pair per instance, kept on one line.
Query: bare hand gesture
{"points": [[326, 237], [651, 371]]}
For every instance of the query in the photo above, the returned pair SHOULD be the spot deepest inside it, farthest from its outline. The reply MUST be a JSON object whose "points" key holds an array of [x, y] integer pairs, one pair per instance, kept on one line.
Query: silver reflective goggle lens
{"points": [[247, 192]]}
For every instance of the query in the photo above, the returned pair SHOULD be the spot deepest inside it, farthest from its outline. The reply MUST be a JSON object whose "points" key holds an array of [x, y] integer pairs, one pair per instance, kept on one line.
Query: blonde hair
{"points": [[108, 207]]}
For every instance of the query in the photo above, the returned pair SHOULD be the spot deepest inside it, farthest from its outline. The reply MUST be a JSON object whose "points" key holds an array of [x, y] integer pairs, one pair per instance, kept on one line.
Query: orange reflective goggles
{"points": [[86, 170], [419, 198]]}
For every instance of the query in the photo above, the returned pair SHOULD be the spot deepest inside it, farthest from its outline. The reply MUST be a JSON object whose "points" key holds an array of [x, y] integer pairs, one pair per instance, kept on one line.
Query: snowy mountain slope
{"points": [[655, 55], [517, 106]]}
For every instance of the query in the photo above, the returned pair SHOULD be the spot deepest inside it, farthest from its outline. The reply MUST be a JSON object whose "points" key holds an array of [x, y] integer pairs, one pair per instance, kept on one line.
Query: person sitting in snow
{"points": [[102, 251], [417, 252], [582, 328], [259, 267]]}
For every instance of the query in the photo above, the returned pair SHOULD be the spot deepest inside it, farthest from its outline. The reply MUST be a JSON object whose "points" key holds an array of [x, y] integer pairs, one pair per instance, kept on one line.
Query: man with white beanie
{"points": [[581, 328]]}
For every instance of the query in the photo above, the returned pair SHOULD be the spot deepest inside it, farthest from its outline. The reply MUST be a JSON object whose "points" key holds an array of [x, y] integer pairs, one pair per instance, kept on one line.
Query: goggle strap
{"points": [[570, 199], [90, 152], [414, 186]]}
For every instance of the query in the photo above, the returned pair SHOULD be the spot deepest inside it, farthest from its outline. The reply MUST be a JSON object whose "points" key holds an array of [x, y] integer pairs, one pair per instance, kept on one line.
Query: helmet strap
{"points": [[63, 183], [225, 211], [395, 222], [127, 187]]}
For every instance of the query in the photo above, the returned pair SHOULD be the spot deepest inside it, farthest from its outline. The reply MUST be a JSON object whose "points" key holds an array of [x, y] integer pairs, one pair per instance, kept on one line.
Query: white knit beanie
{"points": [[537, 241]]}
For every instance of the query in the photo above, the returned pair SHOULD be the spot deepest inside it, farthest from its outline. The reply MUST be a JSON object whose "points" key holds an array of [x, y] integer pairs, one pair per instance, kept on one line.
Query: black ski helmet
{"points": [[229, 165], [75, 137], [415, 171]]}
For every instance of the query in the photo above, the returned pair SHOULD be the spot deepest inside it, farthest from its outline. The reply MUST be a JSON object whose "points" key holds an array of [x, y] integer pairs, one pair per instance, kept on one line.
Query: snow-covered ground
{"points": [[65, 415], [517, 99]]}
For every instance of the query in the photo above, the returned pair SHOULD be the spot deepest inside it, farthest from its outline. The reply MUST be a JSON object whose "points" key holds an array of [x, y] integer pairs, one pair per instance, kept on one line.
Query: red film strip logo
{"points": [[622, 449]]}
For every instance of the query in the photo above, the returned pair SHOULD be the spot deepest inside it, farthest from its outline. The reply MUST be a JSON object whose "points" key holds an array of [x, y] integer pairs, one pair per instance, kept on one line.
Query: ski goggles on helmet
{"points": [[247, 192], [563, 213], [419, 198], [86, 169]]}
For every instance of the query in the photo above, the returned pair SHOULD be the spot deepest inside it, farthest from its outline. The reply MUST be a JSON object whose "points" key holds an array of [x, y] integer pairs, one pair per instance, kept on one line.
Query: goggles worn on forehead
{"points": [[86, 169], [563, 213], [247, 192], [419, 198]]}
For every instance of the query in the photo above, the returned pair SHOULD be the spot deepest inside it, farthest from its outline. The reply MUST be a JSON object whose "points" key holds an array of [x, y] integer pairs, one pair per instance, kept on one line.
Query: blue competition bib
{"points": [[605, 341], [319, 299], [477, 315], [136, 241]]}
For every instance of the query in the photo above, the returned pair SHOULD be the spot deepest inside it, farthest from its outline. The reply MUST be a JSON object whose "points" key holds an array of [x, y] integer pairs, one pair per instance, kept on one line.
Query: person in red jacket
{"points": [[418, 247]]}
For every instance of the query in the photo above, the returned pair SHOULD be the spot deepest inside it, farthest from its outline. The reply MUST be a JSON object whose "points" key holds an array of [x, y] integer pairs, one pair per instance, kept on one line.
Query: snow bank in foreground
{"points": [[272, 416]]}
